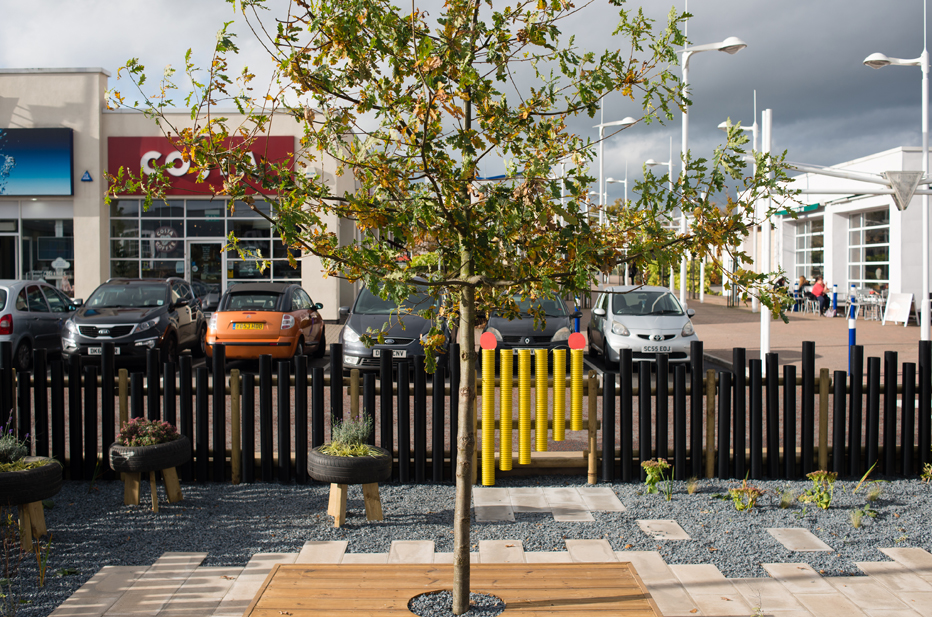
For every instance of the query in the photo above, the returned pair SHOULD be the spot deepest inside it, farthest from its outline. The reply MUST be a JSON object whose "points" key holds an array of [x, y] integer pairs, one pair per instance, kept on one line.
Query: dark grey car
{"points": [[520, 333], [403, 335], [32, 314]]}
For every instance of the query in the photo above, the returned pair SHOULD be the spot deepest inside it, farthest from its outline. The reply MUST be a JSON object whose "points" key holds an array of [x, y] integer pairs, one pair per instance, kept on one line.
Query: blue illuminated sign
{"points": [[38, 161]]}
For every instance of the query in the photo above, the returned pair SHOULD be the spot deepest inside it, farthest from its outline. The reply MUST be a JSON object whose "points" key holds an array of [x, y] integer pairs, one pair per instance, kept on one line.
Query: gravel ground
{"points": [[91, 528]]}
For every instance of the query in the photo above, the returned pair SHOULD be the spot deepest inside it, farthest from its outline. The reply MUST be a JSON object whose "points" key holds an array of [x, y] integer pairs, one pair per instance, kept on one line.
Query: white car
{"points": [[647, 320]]}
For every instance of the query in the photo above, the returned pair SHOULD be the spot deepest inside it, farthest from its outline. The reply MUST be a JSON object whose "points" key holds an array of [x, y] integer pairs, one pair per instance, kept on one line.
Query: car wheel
{"points": [[322, 345], [168, 352], [298, 349], [593, 352], [200, 345], [23, 356]]}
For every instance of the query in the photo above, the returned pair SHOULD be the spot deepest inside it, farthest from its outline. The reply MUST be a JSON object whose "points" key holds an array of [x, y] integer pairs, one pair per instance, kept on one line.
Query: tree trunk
{"points": [[465, 447]]}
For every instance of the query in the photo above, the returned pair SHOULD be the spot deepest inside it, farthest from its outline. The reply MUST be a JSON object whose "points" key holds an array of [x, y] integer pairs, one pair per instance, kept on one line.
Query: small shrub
{"points": [[11, 448], [142, 432], [856, 516], [823, 488], [655, 469], [787, 497], [349, 438], [692, 485], [873, 494], [745, 497], [926, 474]]}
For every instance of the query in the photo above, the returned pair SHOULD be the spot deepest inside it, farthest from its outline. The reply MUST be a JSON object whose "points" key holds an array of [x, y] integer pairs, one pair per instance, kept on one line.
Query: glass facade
{"points": [[869, 250], [810, 248]]}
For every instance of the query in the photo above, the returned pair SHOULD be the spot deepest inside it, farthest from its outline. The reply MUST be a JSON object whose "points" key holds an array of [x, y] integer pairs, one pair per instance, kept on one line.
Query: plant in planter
{"points": [[149, 446], [25, 481], [346, 460]]}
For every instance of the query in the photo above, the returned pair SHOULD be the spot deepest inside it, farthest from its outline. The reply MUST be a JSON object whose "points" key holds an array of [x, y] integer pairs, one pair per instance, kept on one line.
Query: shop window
{"points": [[161, 268], [124, 208], [869, 250], [204, 229], [124, 269], [810, 254], [172, 208], [48, 251]]}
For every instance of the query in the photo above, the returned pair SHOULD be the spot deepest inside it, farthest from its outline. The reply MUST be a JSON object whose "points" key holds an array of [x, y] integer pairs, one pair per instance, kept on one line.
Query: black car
{"points": [[137, 315], [520, 333]]}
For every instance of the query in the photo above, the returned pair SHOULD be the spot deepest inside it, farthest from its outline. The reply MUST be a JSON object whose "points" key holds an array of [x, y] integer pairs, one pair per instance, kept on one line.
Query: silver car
{"points": [[31, 317], [647, 320]]}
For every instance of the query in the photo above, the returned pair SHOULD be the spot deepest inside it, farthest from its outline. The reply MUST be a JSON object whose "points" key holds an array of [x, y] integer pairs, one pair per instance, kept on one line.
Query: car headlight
{"points": [[350, 335], [620, 329], [561, 335], [688, 329], [495, 333], [70, 326], [142, 327]]}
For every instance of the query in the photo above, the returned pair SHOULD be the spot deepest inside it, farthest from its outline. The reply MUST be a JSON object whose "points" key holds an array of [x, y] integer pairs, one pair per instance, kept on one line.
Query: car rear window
{"points": [[253, 301], [2, 299]]}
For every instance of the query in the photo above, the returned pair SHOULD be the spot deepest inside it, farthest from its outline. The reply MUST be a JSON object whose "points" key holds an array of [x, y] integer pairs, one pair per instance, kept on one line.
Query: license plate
{"points": [[657, 349], [96, 351], [396, 353], [515, 351], [247, 326]]}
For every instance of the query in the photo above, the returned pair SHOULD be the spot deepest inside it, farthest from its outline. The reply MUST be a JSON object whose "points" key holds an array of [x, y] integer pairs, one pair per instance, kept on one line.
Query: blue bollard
{"points": [[796, 296], [834, 298], [576, 320], [852, 340]]}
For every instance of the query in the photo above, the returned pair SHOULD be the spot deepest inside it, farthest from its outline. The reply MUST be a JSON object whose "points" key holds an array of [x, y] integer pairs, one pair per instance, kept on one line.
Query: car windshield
{"points": [[128, 296], [370, 304], [551, 307], [646, 303], [253, 301]]}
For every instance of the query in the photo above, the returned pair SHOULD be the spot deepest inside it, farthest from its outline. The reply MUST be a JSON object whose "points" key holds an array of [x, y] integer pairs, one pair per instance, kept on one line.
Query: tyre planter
{"points": [[30, 485], [349, 469], [142, 459]]}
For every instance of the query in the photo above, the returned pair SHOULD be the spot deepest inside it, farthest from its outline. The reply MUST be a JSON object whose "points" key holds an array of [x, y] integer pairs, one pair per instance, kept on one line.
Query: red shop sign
{"points": [[142, 154]]}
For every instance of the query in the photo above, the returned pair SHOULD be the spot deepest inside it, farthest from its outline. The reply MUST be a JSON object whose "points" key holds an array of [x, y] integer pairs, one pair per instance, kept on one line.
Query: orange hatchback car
{"points": [[254, 319]]}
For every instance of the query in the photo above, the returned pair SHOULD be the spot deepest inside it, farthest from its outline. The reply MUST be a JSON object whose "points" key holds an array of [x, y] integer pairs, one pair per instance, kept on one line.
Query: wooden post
{"points": [[235, 441], [172, 486], [825, 384], [709, 423], [370, 496], [36, 513], [25, 527], [154, 491], [131, 489], [123, 387], [337, 507], [593, 423], [354, 394]]}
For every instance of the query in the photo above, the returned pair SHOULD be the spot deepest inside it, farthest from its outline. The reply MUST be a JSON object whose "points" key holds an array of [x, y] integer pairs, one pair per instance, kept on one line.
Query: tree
{"points": [[416, 108]]}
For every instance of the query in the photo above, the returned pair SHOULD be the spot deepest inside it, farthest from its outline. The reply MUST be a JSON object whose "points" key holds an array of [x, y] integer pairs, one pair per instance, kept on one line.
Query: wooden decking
{"points": [[563, 589]]}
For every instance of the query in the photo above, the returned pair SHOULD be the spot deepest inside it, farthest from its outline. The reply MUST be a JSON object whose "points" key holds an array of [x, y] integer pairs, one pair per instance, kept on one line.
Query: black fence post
{"points": [[201, 417], [608, 427], [249, 427], [739, 409], [92, 457], [186, 411], [75, 421], [789, 421], [265, 417], [626, 409], [663, 404], [679, 422], [386, 409], [317, 407], [696, 415], [24, 410], [300, 419], [284, 421], [7, 392], [873, 410], [889, 412], [218, 380], [924, 412], [336, 384], [437, 428], [108, 419], [153, 408], [404, 423], [855, 425], [420, 420], [773, 415], [58, 414], [838, 423], [807, 430], [137, 397], [908, 419], [41, 398], [756, 393], [644, 416], [169, 400], [724, 424]]}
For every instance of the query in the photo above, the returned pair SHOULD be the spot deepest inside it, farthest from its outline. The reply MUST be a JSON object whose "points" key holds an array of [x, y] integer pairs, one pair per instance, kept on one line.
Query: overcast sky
{"points": [[804, 59]]}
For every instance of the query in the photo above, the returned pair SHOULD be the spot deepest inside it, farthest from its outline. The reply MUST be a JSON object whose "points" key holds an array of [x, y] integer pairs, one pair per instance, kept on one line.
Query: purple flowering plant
{"points": [[12, 448], [142, 432]]}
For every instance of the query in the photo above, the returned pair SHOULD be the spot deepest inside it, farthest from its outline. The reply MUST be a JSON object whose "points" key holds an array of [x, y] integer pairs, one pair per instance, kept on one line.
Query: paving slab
{"points": [[798, 539], [501, 551], [571, 513], [548, 557], [733, 604], [350, 558], [663, 529], [494, 514], [174, 566], [148, 600], [411, 551], [798, 577], [562, 494], [100, 592], [829, 605], [894, 576], [317, 551], [202, 592], [490, 496], [595, 551], [664, 587], [529, 500], [706, 580], [916, 559], [767, 594], [251, 579], [601, 499], [865, 593], [919, 601]]}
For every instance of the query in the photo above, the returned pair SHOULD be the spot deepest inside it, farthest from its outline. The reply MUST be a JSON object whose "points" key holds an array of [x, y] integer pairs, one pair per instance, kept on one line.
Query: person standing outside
{"points": [[818, 290]]}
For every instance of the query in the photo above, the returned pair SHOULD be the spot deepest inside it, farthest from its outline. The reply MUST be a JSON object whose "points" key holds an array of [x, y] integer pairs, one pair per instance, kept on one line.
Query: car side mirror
{"points": [[599, 312], [181, 302], [318, 306], [77, 303], [690, 312], [344, 311], [577, 315]]}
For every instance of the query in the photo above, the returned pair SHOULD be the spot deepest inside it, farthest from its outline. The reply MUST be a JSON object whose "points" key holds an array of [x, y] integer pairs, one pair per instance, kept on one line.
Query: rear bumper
{"points": [[282, 348]]}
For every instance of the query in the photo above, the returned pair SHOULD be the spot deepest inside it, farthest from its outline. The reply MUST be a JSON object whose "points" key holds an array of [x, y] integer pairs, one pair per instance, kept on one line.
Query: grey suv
{"points": [[32, 314], [137, 315]]}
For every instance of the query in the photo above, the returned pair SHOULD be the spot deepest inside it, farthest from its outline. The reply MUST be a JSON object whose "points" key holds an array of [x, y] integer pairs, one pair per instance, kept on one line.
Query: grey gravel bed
{"points": [[91, 528]]}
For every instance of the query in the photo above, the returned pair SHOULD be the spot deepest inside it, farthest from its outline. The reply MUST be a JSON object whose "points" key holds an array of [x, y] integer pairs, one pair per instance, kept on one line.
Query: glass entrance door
{"points": [[205, 264], [8, 258]]}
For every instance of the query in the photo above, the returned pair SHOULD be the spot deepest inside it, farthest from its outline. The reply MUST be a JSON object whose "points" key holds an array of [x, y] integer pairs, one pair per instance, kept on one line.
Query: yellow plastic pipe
{"points": [[524, 406], [576, 388], [541, 390], [559, 394], [505, 434], [488, 417]]}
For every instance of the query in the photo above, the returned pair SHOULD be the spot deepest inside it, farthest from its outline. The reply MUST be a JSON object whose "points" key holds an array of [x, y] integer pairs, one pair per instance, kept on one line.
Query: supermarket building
{"points": [[57, 138]]}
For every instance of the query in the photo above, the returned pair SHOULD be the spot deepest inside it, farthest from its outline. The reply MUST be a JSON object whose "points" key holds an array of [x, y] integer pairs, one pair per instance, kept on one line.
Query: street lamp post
{"points": [[625, 182], [628, 121], [876, 61], [669, 165], [731, 45]]}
